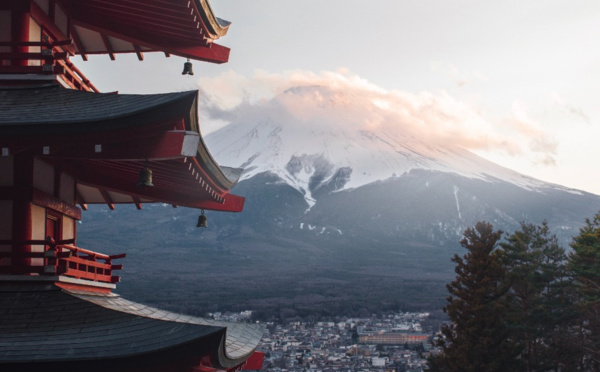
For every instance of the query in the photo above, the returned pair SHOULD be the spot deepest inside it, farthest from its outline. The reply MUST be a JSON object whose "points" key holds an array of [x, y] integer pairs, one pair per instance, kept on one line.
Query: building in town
{"points": [[392, 338]]}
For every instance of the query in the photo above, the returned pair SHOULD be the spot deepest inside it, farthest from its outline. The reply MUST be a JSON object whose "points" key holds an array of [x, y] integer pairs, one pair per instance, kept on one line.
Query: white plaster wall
{"points": [[43, 4], [61, 19], [5, 33], [38, 230], [35, 34], [6, 169], [68, 228], [6, 219], [67, 189], [43, 176]]}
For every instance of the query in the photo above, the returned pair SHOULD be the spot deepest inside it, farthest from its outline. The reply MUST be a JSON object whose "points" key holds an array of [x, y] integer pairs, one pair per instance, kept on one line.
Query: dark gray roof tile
{"points": [[52, 325], [53, 104]]}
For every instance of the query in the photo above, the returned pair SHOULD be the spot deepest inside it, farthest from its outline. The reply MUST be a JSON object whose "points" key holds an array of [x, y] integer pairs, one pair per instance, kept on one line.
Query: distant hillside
{"points": [[384, 245]]}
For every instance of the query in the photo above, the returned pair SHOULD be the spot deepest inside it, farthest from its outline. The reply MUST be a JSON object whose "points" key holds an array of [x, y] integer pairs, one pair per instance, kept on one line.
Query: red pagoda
{"points": [[63, 146]]}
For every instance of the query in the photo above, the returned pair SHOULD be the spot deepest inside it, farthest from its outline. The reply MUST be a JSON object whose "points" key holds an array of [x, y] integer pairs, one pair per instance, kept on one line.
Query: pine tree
{"points": [[539, 312], [584, 262], [477, 338]]}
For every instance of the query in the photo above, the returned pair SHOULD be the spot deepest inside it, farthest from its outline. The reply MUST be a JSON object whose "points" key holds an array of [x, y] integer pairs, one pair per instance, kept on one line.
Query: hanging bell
{"points": [[187, 68], [145, 178], [202, 220]]}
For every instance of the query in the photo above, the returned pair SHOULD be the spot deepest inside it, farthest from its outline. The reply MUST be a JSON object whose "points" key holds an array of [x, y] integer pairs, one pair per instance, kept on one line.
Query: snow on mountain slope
{"points": [[307, 134]]}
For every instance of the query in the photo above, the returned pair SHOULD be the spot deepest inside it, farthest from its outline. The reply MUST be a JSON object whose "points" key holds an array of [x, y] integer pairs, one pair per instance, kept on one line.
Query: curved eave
{"points": [[240, 341], [92, 327], [100, 189], [104, 140], [215, 26], [53, 110], [186, 28]]}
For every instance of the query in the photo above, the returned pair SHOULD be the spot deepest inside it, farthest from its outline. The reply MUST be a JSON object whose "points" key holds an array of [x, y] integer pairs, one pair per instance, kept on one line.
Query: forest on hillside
{"points": [[523, 303]]}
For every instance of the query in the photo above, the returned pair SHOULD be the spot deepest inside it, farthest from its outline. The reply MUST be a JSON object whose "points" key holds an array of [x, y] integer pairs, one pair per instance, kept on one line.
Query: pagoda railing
{"points": [[46, 61], [60, 258]]}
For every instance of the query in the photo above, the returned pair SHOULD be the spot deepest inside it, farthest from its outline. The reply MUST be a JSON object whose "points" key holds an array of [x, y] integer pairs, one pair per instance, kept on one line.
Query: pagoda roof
{"points": [[105, 139], [49, 109], [186, 28], [46, 324]]}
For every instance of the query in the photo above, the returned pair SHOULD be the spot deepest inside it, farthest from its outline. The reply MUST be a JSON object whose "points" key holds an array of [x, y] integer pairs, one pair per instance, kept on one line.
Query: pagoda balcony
{"points": [[47, 59], [59, 259]]}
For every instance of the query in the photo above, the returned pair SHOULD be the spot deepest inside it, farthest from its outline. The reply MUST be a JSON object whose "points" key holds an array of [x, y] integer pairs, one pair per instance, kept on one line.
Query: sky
{"points": [[515, 82]]}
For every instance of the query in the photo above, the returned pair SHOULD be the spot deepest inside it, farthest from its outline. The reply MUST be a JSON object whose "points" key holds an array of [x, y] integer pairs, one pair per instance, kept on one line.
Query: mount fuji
{"points": [[389, 175], [348, 210], [306, 153]]}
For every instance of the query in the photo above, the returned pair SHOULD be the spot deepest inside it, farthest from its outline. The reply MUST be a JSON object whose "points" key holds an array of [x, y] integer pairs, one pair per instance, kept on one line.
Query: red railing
{"points": [[50, 59], [60, 258]]}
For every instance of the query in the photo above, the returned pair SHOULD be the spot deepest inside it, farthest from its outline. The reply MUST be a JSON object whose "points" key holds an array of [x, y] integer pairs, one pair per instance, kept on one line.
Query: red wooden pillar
{"points": [[20, 29], [22, 206]]}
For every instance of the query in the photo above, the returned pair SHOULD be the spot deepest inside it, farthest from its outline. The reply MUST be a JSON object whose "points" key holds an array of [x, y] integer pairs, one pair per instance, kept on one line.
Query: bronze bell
{"points": [[187, 68], [202, 220], [145, 177]]}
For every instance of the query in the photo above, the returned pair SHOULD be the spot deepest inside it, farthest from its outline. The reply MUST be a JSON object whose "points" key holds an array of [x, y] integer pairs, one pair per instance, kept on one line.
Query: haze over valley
{"points": [[339, 218]]}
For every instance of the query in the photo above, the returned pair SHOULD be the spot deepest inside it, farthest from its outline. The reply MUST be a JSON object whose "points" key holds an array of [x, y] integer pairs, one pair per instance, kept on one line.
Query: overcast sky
{"points": [[519, 80]]}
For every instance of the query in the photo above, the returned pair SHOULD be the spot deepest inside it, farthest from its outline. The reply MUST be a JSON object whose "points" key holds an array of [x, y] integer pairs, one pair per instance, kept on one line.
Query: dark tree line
{"points": [[523, 303]]}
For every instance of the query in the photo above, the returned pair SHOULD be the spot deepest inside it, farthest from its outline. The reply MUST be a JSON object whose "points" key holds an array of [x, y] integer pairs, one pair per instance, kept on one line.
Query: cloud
{"points": [[343, 101], [458, 77], [561, 105]]}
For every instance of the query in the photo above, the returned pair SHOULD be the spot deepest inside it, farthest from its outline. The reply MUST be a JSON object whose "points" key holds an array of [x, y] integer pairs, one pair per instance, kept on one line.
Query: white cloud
{"points": [[346, 101], [459, 78], [577, 112]]}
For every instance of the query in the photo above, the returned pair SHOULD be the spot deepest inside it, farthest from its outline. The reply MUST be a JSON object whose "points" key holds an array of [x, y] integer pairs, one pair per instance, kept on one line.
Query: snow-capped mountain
{"points": [[313, 161], [307, 153]]}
